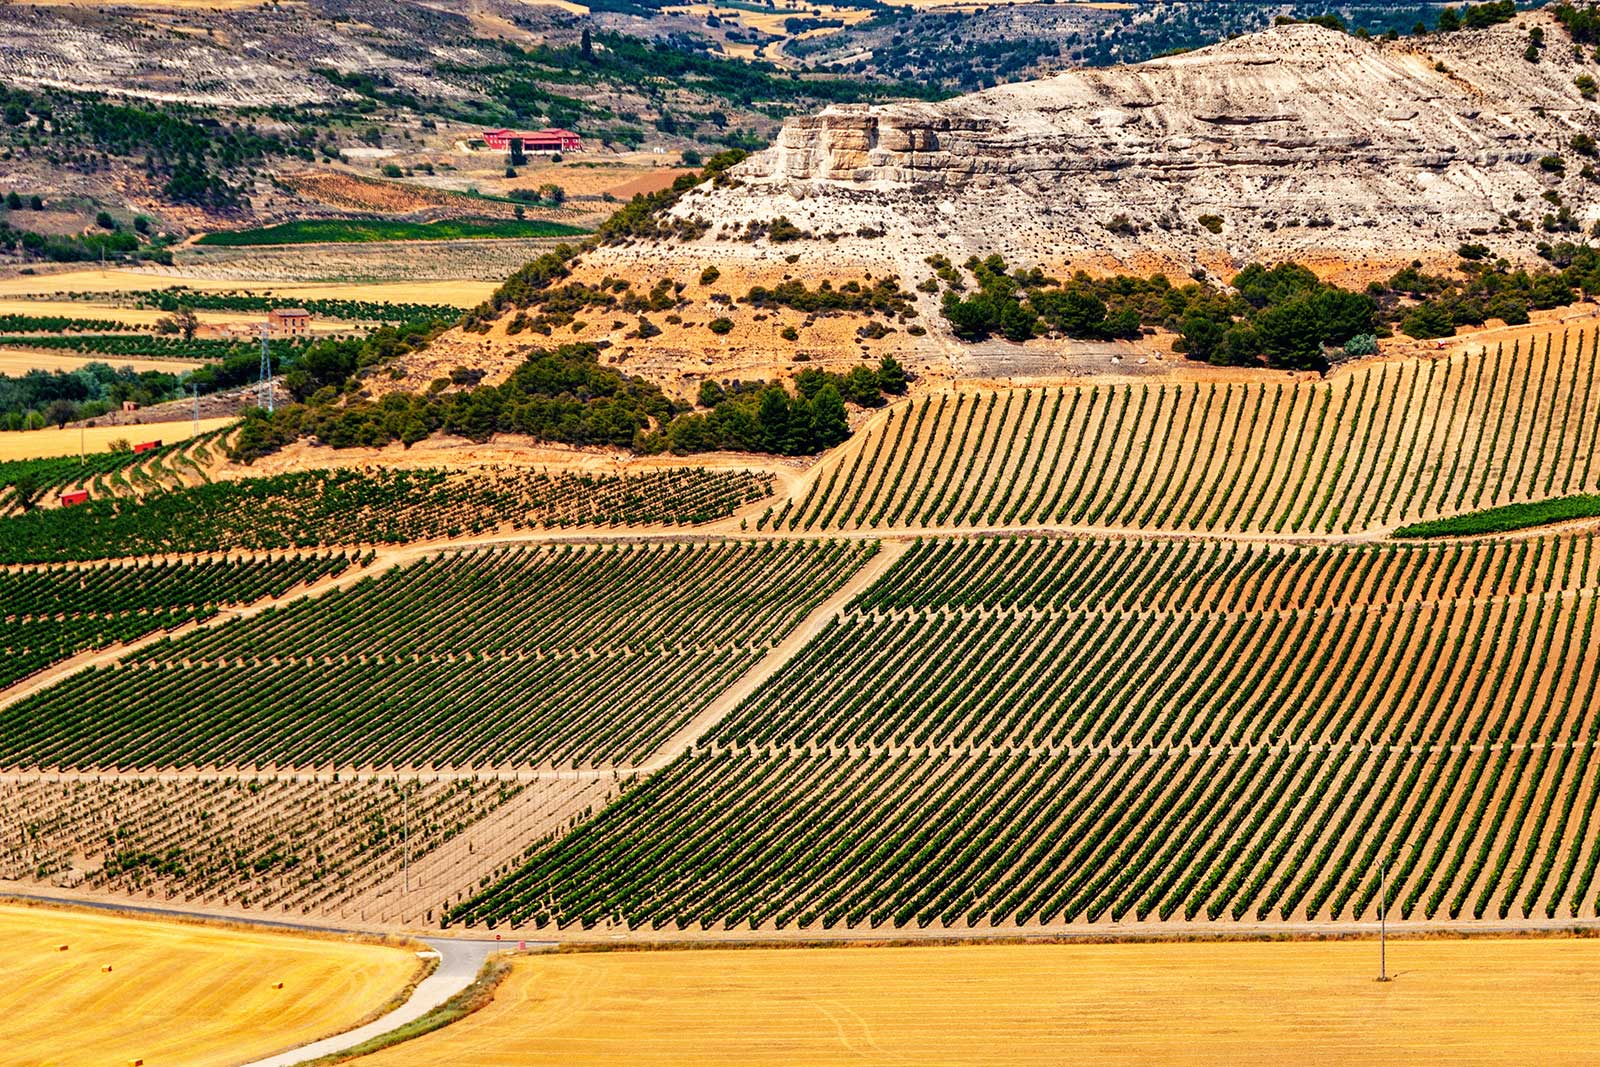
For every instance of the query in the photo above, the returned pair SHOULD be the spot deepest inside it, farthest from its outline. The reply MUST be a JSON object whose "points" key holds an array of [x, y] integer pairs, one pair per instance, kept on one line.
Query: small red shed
{"points": [[77, 496], [147, 446]]}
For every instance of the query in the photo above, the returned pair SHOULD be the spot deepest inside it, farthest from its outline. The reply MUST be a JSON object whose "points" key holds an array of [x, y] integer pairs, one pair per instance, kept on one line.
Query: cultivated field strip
{"points": [[1371, 449], [1037, 732], [307, 509], [332, 848], [48, 614], [1166, 644], [576, 656]]}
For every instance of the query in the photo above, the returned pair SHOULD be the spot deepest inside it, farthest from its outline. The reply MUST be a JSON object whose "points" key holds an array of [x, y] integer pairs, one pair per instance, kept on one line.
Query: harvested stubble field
{"points": [[1042, 733], [61, 285], [125, 990], [15, 363], [1488, 1002], [1368, 449], [571, 656]]}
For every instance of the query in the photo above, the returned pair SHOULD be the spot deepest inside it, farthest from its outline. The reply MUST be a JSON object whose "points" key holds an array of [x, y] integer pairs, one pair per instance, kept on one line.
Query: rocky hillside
{"points": [[1348, 154]]}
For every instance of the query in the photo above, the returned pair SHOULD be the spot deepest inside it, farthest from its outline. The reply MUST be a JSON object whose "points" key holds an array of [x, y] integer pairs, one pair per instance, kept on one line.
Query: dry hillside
{"points": [[1305, 143], [1353, 156]]}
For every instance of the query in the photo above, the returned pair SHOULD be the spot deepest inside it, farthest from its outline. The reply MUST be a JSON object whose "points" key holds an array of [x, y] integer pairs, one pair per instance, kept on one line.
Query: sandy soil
{"points": [[1462, 1002], [42, 444], [135, 990]]}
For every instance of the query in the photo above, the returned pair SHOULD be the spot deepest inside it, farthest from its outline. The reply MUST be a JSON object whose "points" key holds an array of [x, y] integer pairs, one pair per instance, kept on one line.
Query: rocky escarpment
{"points": [[1297, 141]]}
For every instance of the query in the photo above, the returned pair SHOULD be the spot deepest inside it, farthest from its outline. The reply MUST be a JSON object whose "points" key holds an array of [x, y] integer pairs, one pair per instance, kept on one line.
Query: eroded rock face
{"points": [[1303, 141]]}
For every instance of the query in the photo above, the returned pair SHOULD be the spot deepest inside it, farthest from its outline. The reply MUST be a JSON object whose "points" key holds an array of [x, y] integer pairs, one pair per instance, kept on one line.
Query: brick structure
{"points": [[547, 140], [289, 322]]}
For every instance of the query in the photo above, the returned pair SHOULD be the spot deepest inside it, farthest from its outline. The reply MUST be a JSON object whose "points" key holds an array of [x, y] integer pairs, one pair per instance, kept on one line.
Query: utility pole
{"points": [[1383, 918], [405, 804], [266, 367]]}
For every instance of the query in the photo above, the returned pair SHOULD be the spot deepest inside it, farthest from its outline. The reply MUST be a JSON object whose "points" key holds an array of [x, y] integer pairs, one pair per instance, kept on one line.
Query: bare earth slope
{"points": [[1305, 142]]}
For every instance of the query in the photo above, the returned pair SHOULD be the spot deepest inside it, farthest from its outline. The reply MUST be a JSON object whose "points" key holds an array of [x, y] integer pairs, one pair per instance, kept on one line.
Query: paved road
{"points": [[459, 964]]}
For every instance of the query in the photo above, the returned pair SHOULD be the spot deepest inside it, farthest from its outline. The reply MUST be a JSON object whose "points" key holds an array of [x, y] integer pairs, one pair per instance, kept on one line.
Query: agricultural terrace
{"points": [[291, 845], [51, 461], [1488, 1002], [1381, 445], [131, 990], [379, 506], [1036, 733], [575, 656], [48, 614]]}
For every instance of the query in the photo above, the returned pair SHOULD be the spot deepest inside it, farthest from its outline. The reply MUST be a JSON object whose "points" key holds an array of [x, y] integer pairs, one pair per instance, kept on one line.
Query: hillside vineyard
{"points": [[1019, 659], [498, 657], [1039, 732], [1364, 451]]}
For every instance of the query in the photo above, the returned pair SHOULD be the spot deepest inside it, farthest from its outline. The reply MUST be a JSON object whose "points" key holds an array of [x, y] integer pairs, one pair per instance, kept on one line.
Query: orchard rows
{"points": [[1022, 732], [561, 656], [261, 843], [1371, 449]]}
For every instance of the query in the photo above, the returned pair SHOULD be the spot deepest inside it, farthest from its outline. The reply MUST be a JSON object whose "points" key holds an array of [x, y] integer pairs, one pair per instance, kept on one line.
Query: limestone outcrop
{"points": [[1296, 141]]}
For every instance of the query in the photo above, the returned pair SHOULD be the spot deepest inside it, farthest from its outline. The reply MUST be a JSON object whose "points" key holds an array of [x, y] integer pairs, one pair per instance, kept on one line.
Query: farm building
{"points": [[547, 140], [293, 322], [76, 496]]}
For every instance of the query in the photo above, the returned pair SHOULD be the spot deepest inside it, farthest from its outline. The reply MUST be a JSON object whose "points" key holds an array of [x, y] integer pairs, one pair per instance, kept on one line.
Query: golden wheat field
{"points": [[21, 362], [43, 444], [459, 293], [1220, 1003], [127, 989]]}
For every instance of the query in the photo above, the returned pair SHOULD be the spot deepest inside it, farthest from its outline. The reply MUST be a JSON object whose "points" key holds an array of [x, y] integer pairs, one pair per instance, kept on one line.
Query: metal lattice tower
{"points": [[266, 368]]}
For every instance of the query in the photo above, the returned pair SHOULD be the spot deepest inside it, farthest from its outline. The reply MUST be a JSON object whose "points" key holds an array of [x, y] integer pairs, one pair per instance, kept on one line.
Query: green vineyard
{"points": [[1378, 447], [380, 506], [1070, 730], [50, 614], [575, 656]]}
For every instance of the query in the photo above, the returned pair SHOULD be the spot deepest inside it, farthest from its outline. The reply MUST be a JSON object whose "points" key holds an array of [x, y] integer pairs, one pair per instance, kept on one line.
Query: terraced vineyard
{"points": [[48, 614], [109, 475], [1371, 449], [379, 506], [566, 655], [1039, 732], [288, 845]]}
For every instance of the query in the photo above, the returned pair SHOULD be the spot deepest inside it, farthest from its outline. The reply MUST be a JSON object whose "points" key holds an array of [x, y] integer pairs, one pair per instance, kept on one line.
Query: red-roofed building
{"points": [[550, 140]]}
